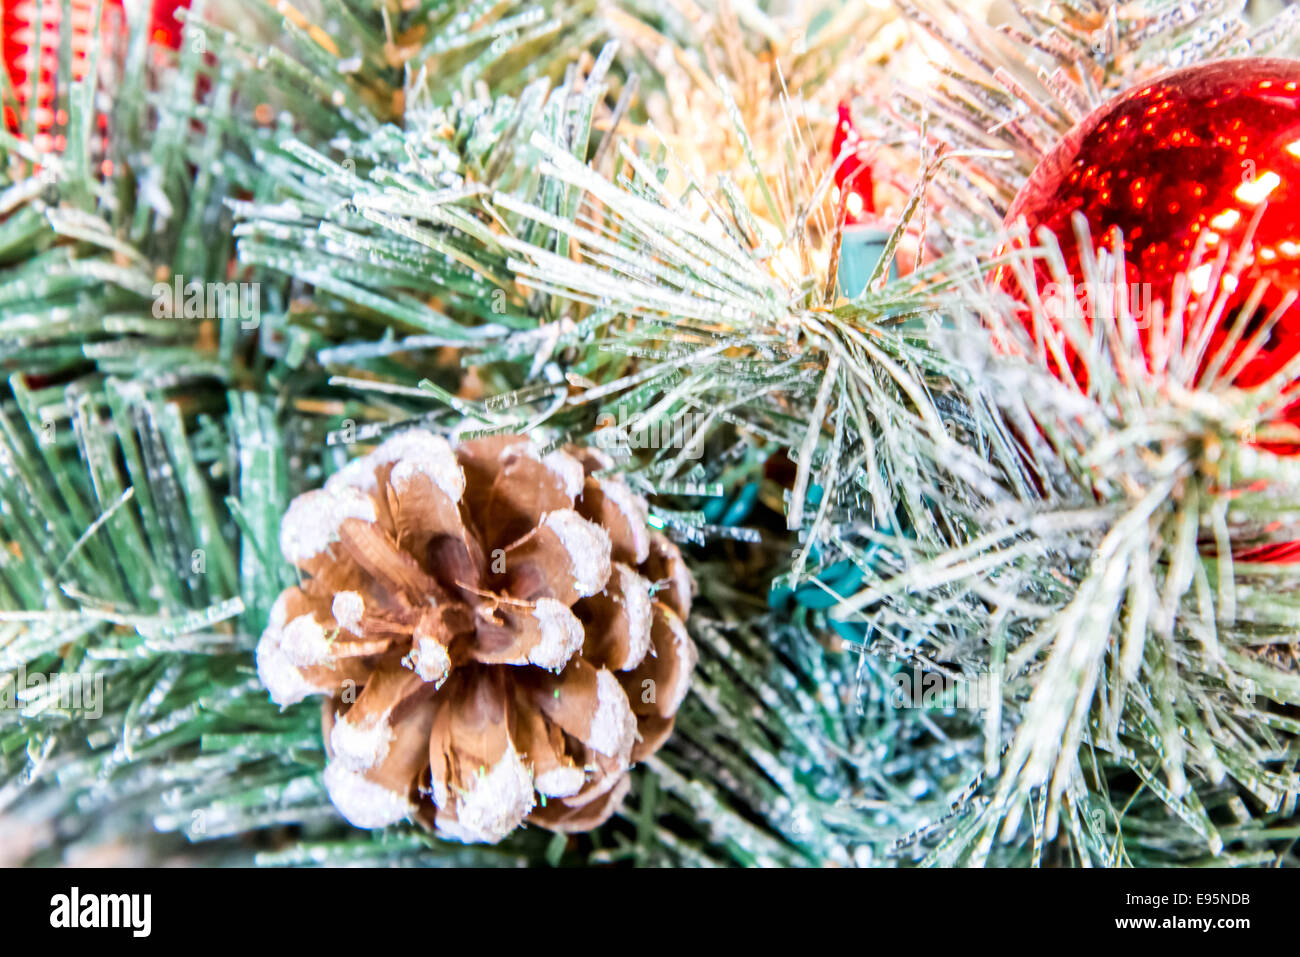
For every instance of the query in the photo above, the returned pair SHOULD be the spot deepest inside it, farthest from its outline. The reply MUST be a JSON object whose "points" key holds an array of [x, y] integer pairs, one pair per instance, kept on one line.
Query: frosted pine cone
{"points": [[499, 634]]}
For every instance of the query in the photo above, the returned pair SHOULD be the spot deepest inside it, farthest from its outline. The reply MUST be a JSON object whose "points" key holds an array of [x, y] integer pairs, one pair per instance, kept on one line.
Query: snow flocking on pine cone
{"points": [[498, 634]]}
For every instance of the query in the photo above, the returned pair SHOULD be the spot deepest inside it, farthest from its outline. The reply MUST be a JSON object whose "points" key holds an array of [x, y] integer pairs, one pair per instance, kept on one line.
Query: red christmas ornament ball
{"points": [[852, 172], [1190, 161], [1183, 166], [30, 55]]}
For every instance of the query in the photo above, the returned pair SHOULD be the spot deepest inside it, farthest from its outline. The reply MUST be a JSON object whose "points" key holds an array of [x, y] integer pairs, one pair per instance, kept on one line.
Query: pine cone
{"points": [[499, 634]]}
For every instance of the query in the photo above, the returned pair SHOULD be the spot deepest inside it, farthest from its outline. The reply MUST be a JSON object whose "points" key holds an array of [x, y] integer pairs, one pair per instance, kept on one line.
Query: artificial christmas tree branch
{"points": [[489, 221]]}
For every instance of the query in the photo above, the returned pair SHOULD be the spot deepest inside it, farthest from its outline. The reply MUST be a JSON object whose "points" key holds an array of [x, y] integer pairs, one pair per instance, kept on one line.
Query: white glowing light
{"points": [[1256, 191], [1200, 278], [1226, 219], [787, 264]]}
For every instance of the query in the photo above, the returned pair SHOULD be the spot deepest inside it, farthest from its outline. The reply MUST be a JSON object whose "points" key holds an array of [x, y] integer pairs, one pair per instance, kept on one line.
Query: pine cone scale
{"points": [[619, 620]]}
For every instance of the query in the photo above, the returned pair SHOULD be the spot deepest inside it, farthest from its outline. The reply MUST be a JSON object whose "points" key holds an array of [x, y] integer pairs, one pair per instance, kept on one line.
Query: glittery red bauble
{"points": [[28, 56], [1191, 157], [1184, 166], [852, 172]]}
